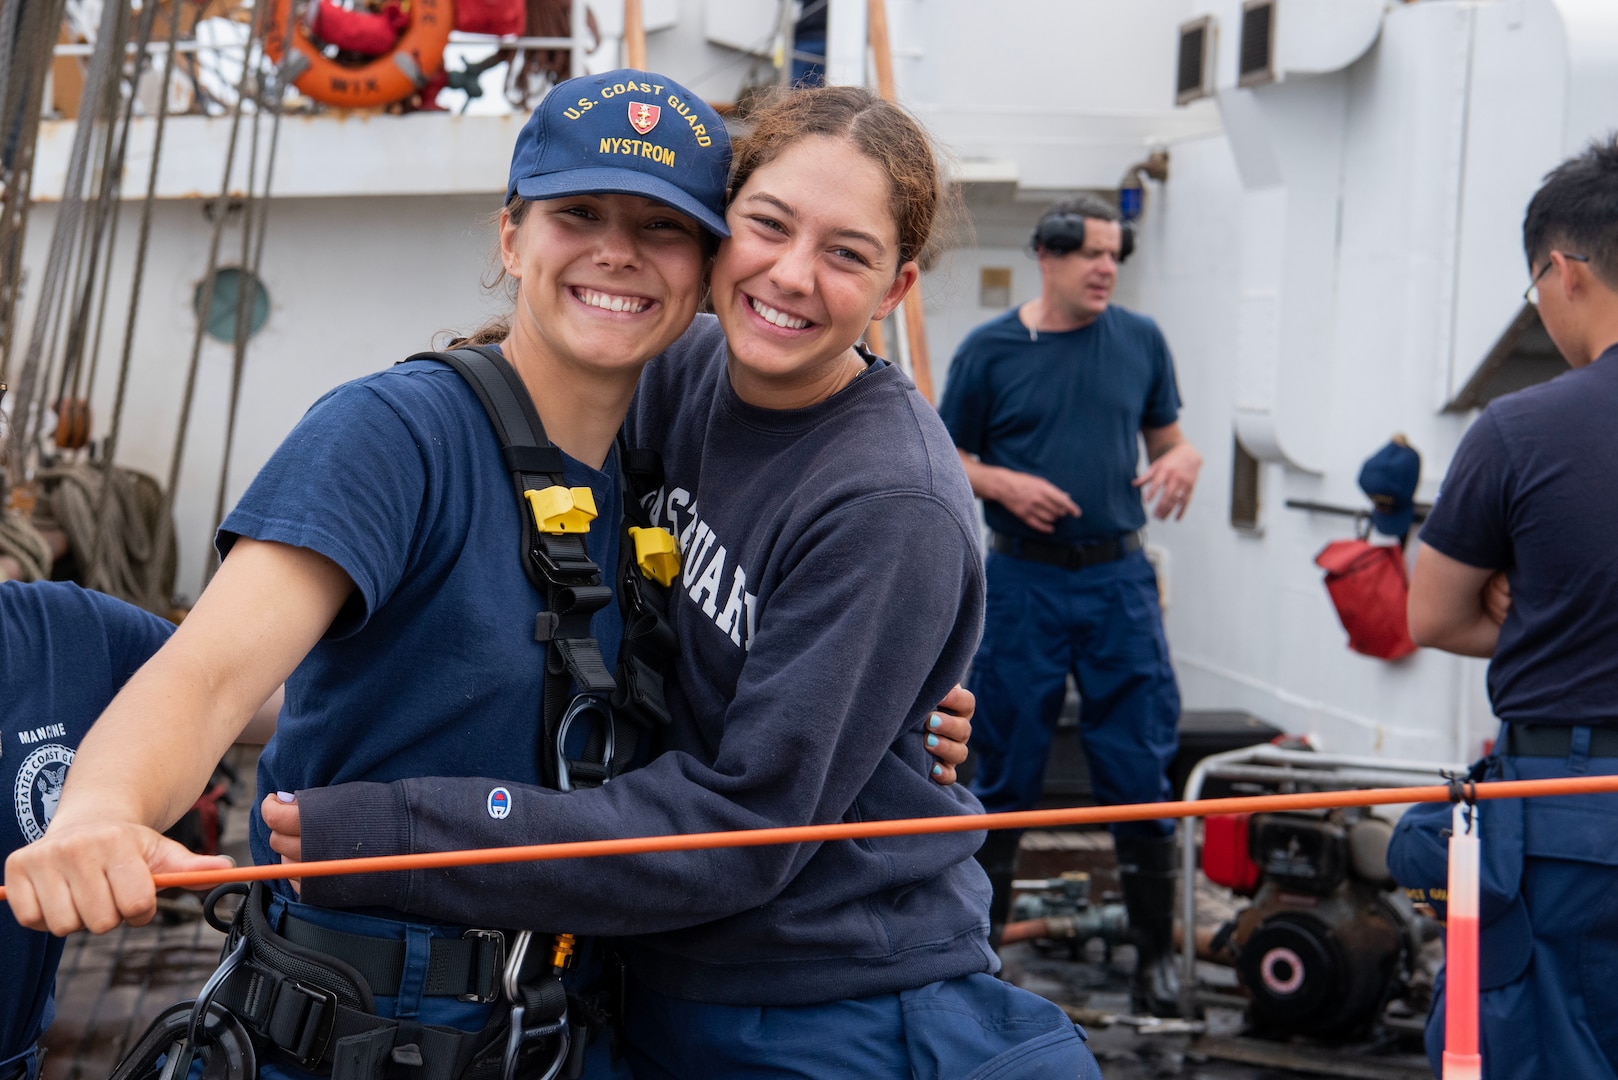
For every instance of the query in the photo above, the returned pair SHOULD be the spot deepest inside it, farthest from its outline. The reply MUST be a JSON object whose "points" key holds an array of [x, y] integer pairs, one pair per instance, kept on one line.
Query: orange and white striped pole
{"points": [[1461, 1058]]}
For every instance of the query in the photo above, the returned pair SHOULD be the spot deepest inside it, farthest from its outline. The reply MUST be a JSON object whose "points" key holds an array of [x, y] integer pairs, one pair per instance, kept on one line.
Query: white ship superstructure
{"points": [[1334, 257]]}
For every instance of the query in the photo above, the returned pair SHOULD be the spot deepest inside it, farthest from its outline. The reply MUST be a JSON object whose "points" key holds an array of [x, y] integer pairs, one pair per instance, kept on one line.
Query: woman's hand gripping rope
{"points": [[97, 875]]}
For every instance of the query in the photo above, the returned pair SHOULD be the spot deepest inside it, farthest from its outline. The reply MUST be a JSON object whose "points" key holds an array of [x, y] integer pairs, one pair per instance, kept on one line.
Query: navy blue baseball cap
{"points": [[625, 132], [1389, 477]]}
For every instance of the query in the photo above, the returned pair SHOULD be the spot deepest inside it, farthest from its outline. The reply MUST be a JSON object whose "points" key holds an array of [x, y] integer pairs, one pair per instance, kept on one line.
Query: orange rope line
{"points": [[807, 834]]}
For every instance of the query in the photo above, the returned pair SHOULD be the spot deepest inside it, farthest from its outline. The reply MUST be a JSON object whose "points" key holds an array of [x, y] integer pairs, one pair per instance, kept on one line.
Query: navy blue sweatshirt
{"points": [[831, 594]]}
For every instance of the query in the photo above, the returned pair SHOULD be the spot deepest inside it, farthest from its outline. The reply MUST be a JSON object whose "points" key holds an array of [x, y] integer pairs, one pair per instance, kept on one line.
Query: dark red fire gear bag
{"points": [[504, 17], [1368, 585]]}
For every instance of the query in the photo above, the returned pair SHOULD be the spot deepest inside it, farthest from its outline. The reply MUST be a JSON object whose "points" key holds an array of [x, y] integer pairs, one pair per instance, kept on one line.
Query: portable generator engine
{"points": [[1327, 940]]}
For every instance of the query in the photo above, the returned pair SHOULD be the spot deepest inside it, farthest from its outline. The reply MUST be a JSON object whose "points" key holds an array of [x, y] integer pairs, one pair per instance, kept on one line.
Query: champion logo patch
{"points": [[643, 117], [499, 803]]}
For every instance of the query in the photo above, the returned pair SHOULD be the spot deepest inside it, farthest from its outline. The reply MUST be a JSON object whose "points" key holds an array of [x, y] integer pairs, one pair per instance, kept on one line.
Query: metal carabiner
{"points": [[229, 1056], [184, 1050], [518, 1035], [578, 707]]}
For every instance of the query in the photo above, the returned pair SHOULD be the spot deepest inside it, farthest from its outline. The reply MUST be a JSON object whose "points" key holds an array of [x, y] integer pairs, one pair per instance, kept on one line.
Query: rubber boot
{"points": [[998, 857], [1148, 867]]}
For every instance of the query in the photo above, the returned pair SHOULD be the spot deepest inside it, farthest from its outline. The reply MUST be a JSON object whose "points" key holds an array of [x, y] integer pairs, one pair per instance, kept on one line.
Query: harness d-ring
{"points": [[576, 708]]}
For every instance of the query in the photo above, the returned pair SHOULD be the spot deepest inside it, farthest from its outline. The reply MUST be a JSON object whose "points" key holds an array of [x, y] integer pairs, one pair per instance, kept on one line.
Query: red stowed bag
{"points": [[1368, 585], [370, 33], [504, 17]]}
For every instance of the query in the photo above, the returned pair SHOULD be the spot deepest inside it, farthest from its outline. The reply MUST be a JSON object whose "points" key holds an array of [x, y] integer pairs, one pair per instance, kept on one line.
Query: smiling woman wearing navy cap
{"points": [[862, 959], [832, 589], [375, 564]]}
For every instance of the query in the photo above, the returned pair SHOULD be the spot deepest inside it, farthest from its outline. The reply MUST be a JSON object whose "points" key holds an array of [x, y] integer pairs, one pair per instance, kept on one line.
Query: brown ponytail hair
{"points": [[497, 329]]}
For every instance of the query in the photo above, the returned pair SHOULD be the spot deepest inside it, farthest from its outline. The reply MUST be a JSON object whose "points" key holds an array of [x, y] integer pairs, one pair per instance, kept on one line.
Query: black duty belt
{"points": [[1067, 556], [468, 967], [1556, 740]]}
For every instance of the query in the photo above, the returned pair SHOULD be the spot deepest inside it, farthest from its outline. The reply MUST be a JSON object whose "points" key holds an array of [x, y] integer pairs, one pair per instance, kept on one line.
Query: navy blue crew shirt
{"points": [[1068, 407], [1530, 492], [64, 653]]}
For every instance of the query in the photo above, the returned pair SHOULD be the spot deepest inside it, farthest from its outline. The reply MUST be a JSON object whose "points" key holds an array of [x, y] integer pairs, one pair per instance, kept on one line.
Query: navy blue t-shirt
{"points": [[431, 669], [64, 653], [1533, 491], [1068, 407]]}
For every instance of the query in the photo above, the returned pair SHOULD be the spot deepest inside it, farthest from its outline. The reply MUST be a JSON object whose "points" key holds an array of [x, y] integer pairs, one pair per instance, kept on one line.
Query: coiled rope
{"points": [[20, 540], [92, 503]]}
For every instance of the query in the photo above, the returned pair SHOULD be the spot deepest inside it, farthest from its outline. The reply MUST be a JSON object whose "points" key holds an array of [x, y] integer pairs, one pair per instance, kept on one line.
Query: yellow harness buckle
{"points": [[562, 510], [656, 553]]}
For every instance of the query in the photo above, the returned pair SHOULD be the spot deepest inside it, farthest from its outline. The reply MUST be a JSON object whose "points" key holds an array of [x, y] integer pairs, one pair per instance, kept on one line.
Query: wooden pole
{"points": [[875, 339], [881, 49], [634, 35], [915, 318]]}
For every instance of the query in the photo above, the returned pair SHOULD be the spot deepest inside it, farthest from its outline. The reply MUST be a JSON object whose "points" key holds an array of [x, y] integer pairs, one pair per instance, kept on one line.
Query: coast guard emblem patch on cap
{"points": [[38, 788], [643, 117], [499, 803]]}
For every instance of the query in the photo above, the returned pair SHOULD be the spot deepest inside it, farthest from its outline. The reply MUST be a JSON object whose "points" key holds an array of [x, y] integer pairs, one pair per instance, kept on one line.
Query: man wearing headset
{"points": [[1048, 405]]}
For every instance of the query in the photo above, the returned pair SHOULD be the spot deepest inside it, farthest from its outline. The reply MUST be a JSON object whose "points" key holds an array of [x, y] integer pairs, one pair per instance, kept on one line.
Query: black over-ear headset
{"points": [[1062, 233]]}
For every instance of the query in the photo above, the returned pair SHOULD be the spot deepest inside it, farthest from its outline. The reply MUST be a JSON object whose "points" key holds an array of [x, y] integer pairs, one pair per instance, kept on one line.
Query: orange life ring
{"points": [[416, 58]]}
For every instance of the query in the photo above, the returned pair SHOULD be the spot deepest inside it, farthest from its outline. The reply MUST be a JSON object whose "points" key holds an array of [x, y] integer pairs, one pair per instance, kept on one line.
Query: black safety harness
{"points": [[307, 992]]}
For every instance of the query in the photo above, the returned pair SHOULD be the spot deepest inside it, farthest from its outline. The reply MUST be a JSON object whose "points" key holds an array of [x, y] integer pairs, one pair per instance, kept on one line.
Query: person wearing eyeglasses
{"points": [[1049, 405], [1529, 510]]}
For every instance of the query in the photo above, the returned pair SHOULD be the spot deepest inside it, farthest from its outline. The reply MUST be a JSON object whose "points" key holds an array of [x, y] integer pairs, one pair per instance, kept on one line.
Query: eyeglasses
{"points": [[1531, 294]]}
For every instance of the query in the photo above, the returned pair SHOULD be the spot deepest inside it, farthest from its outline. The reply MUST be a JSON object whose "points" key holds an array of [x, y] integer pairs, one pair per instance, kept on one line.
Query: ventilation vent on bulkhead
{"points": [[1256, 63], [1196, 61]]}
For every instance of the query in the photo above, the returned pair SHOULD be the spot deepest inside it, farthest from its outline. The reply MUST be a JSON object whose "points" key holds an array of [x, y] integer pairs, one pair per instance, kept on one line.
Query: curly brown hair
{"points": [[886, 133]]}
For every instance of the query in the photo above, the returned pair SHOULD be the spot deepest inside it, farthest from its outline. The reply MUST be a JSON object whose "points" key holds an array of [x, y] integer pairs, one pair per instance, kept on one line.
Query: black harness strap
{"points": [[309, 991], [650, 646], [559, 566], [319, 1010]]}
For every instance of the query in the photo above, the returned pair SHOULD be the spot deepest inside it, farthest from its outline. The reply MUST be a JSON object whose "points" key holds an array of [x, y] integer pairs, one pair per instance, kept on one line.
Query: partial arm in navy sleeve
{"points": [[1464, 542], [872, 623]]}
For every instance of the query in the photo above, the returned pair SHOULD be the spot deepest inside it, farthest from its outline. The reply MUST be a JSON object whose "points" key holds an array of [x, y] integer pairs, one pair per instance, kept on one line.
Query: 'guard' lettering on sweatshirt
{"points": [[715, 582]]}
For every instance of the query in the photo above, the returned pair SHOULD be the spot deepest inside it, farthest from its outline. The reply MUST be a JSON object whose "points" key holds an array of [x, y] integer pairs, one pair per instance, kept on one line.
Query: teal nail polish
{"points": [[936, 722], [932, 741], [938, 770]]}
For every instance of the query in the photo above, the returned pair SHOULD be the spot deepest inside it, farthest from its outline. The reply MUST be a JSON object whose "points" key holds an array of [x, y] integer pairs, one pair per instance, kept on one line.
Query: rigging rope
{"points": [[24, 100], [221, 207], [114, 189], [150, 595], [109, 47], [862, 830], [103, 117], [250, 282]]}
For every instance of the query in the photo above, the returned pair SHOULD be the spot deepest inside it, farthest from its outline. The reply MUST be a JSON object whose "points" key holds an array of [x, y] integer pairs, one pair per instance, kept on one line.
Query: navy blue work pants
{"points": [[1560, 1017], [971, 1028], [1103, 625]]}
